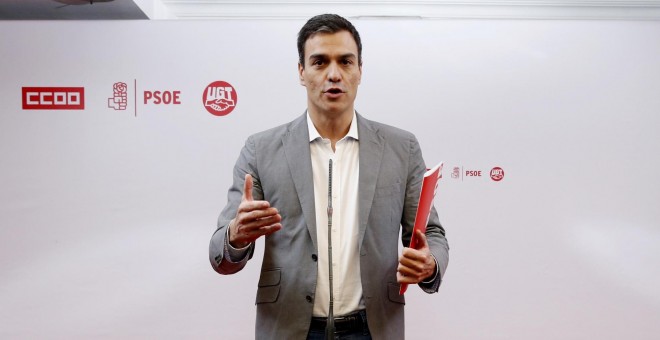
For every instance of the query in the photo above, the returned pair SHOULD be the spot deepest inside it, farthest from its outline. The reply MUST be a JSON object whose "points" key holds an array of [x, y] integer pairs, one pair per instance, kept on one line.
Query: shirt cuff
{"points": [[232, 254], [437, 270]]}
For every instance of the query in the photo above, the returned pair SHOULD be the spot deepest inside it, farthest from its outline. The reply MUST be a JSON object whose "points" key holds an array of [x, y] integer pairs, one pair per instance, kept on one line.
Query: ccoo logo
{"points": [[219, 98], [53, 98]]}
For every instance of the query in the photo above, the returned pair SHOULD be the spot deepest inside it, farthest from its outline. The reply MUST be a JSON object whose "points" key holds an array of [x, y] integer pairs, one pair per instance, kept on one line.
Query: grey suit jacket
{"points": [[391, 171]]}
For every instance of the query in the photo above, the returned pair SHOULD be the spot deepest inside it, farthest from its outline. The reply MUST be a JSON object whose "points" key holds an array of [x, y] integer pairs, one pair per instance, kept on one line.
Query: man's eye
{"points": [[346, 62], [317, 62]]}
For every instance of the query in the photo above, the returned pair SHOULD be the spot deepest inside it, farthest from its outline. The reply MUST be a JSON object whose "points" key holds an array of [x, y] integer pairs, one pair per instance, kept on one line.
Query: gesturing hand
{"points": [[416, 265], [253, 219]]}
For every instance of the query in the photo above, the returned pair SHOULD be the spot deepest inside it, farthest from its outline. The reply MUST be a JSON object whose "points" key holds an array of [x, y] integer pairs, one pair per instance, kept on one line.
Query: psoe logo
{"points": [[53, 98], [456, 172], [119, 99], [219, 98], [472, 173], [496, 174]]}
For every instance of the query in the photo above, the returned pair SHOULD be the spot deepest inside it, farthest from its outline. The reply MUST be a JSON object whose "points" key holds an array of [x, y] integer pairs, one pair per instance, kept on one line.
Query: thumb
{"points": [[247, 188], [421, 240]]}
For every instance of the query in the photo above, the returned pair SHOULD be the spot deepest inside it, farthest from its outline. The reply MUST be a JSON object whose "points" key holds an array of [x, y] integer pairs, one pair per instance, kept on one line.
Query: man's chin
{"points": [[335, 110]]}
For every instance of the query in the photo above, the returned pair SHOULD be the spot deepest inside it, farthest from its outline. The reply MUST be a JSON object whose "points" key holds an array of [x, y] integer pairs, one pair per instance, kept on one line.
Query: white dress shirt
{"points": [[347, 285]]}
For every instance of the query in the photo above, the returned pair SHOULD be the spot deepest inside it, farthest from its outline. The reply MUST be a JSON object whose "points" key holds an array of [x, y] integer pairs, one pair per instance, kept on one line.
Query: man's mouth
{"points": [[334, 90]]}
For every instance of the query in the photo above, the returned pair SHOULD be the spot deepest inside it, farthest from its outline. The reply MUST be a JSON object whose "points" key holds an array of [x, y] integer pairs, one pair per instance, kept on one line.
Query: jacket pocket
{"points": [[269, 286], [393, 293]]}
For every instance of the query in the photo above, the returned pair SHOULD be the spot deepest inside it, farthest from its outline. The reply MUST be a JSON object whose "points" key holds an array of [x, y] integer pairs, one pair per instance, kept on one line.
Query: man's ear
{"points": [[360, 69], [301, 71]]}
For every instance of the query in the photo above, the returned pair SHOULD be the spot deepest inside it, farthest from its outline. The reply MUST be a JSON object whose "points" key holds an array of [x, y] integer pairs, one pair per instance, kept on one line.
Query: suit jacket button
{"points": [[314, 257], [308, 298]]}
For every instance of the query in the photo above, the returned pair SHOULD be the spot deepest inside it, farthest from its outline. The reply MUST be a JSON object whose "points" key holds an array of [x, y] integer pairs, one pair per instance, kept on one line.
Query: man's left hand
{"points": [[416, 265]]}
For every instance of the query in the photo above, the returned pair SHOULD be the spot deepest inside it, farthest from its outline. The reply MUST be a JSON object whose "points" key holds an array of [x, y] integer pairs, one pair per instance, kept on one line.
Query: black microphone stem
{"points": [[330, 324]]}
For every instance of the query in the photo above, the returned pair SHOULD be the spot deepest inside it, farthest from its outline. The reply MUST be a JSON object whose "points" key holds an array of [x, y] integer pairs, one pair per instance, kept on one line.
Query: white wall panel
{"points": [[105, 215]]}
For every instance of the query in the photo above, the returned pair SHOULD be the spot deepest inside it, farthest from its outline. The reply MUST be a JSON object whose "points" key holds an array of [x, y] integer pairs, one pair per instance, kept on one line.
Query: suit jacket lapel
{"points": [[371, 154], [296, 149]]}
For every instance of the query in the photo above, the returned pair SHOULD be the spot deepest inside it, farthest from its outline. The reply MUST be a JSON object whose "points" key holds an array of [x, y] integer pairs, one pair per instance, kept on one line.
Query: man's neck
{"points": [[332, 127]]}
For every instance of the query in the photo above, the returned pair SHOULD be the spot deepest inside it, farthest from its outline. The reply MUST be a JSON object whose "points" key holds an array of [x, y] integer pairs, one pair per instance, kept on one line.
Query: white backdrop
{"points": [[105, 215]]}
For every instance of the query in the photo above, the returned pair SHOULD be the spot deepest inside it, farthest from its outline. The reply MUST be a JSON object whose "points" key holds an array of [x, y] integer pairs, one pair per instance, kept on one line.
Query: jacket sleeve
{"points": [[435, 233], [218, 252]]}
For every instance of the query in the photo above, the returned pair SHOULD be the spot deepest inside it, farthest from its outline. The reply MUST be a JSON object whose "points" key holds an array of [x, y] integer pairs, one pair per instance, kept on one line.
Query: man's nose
{"points": [[334, 74]]}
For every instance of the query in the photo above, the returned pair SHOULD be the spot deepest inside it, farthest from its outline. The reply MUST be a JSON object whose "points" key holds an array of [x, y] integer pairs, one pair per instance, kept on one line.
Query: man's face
{"points": [[331, 73]]}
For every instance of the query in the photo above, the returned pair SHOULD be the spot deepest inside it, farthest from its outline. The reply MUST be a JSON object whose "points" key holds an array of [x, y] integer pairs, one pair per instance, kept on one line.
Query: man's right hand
{"points": [[253, 219]]}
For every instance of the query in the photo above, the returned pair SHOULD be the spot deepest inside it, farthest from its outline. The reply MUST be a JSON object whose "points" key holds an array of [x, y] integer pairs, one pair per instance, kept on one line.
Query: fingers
{"points": [[420, 254], [259, 215], [249, 235], [248, 223], [415, 265], [400, 278], [408, 275], [421, 239], [412, 262], [253, 219], [247, 188], [255, 209]]}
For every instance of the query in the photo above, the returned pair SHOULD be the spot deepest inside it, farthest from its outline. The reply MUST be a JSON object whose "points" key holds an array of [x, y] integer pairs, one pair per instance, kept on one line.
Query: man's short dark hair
{"points": [[326, 23]]}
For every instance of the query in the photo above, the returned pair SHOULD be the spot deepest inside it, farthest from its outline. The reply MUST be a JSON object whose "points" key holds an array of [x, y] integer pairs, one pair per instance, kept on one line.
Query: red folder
{"points": [[426, 196]]}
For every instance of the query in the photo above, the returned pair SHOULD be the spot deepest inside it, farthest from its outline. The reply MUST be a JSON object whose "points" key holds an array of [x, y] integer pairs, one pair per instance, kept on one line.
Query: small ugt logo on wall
{"points": [[219, 98], [496, 174]]}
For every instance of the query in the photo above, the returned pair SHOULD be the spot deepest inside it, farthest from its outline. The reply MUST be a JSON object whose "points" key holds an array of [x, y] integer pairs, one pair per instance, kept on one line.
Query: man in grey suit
{"points": [[330, 179]]}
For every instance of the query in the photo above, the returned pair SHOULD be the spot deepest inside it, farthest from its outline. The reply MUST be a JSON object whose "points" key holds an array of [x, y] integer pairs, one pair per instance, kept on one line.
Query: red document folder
{"points": [[426, 196]]}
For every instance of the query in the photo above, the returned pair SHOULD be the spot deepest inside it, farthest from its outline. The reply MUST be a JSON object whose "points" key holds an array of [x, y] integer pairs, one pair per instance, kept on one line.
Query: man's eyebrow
{"points": [[317, 56], [325, 56]]}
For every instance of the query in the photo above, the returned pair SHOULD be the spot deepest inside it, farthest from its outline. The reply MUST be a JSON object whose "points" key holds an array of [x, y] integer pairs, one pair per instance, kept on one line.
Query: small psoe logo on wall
{"points": [[456, 172], [496, 174], [472, 173], [53, 98], [119, 98], [219, 98]]}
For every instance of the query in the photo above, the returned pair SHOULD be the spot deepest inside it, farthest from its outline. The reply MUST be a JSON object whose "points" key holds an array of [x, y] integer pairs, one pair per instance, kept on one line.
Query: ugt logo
{"points": [[496, 174], [219, 98]]}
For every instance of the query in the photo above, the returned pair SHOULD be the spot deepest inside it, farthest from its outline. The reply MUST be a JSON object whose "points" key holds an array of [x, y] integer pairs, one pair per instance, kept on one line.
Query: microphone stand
{"points": [[330, 323]]}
